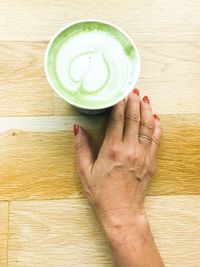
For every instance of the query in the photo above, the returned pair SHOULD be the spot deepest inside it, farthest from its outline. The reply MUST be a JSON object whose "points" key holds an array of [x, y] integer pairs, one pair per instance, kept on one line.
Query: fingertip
{"points": [[156, 117], [146, 103], [157, 121], [146, 99], [76, 128], [136, 91]]}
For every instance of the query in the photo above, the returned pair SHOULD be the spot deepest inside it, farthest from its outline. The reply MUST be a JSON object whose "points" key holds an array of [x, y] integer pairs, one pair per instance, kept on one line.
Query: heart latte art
{"points": [[92, 64]]}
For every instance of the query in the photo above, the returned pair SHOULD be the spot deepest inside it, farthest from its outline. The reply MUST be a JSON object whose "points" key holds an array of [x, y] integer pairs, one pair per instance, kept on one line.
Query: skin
{"points": [[116, 182]]}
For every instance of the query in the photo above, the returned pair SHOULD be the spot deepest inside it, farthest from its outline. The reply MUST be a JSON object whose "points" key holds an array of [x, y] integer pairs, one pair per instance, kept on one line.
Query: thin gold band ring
{"points": [[145, 137], [155, 141]]}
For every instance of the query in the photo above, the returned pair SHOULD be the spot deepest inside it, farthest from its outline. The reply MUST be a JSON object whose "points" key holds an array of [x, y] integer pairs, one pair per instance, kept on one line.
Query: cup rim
{"points": [[127, 92]]}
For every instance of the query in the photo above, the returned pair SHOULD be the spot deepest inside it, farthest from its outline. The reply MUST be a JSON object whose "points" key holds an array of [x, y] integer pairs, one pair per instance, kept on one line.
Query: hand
{"points": [[117, 181]]}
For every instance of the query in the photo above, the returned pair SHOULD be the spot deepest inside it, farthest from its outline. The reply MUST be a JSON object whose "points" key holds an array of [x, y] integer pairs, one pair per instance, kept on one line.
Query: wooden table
{"points": [[44, 219]]}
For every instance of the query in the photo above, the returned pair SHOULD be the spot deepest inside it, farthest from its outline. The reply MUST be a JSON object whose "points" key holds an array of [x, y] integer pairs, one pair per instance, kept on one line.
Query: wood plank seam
{"points": [[8, 227]]}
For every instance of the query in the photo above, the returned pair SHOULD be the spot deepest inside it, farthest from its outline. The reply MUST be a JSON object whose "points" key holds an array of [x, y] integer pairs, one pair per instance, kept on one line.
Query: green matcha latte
{"points": [[92, 64]]}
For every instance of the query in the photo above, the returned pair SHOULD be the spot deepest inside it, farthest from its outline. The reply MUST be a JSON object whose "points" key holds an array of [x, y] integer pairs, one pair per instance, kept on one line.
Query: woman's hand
{"points": [[117, 181]]}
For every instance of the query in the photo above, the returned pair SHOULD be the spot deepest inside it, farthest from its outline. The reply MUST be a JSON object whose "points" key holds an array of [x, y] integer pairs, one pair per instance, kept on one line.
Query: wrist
{"points": [[115, 219], [118, 228], [132, 242]]}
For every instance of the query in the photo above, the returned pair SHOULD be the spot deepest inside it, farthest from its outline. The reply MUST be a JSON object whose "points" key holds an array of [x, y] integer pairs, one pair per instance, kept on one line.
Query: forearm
{"points": [[133, 244]]}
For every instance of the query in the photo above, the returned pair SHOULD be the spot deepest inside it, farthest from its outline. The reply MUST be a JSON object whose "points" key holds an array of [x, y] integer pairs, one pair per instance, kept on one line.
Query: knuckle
{"points": [[132, 156], [134, 115], [149, 123], [114, 151]]}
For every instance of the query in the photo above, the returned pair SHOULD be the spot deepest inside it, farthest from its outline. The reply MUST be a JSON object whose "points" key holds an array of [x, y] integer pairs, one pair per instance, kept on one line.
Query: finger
{"points": [[155, 136], [115, 126], [132, 117], [83, 150], [146, 125]]}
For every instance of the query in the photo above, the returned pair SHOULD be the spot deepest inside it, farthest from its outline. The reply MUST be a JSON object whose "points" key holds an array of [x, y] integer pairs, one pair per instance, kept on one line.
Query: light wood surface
{"points": [[145, 20], [44, 219], [52, 231]]}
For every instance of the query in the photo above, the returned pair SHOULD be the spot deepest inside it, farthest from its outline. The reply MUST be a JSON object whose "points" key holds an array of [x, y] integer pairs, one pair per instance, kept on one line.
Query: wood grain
{"points": [[24, 88], [175, 224], [144, 20], [170, 76], [75, 238], [4, 224], [41, 165], [56, 233]]}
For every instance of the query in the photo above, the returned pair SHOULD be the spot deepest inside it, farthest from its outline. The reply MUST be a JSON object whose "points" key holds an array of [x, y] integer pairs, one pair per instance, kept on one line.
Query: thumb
{"points": [[83, 150]]}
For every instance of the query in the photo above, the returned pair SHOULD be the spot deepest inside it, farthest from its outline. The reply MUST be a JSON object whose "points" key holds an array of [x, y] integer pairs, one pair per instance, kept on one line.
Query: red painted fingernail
{"points": [[136, 91], [156, 117], [146, 99], [76, 129]]}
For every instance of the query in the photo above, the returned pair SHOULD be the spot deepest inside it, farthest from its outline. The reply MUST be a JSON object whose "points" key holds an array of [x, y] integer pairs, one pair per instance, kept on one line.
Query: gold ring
{"points": [[145, 137], [155, 141]]}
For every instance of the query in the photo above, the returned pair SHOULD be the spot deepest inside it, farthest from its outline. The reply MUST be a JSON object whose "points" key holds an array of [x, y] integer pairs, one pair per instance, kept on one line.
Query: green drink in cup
{"points": [[92, 65]]}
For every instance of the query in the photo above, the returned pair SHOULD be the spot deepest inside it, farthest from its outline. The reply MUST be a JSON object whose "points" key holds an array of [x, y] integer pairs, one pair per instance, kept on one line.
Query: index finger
{"points": [[115, 126]]}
